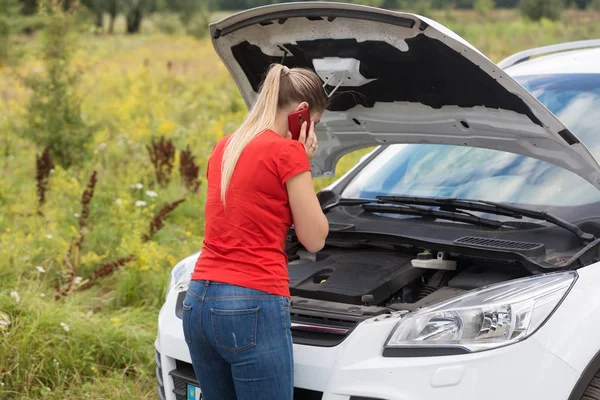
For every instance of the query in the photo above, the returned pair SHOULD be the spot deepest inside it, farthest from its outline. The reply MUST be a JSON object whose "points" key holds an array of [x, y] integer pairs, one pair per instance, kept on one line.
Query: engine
{"points": [[378, 277], [351, 277]]}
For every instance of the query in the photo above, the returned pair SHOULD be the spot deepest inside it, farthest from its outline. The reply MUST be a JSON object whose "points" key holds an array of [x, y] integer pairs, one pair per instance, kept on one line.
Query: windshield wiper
{"points": [[490, 207], [435, 214], [454, 204]]}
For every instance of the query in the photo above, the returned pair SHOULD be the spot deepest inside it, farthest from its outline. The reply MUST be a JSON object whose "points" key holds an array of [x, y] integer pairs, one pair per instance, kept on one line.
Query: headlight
{"points": [[181, 274], [481, 319]]}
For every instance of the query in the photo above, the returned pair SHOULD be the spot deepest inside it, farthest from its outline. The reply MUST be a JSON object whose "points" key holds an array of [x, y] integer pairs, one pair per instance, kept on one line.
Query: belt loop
{"points": [[206, 283]]}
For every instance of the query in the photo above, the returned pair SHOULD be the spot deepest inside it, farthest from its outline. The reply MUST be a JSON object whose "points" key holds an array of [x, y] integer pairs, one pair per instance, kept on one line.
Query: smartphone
{"points": [[295, 121]]}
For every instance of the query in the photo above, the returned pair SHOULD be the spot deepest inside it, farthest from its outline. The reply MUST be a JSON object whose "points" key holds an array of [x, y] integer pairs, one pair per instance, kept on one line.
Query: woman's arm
{"points": [[310, 223]]}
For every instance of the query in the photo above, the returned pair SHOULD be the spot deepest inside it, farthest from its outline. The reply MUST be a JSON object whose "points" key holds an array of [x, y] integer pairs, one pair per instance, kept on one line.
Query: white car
{"points": [[463, 261]]}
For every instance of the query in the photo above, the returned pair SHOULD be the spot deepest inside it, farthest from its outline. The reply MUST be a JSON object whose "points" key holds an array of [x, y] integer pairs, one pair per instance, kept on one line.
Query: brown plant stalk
{"points": [[86, 199], [158, 221], [77, 240], [188, 170], [104, 270], [162, 156], [71, 274], [43, 165]]}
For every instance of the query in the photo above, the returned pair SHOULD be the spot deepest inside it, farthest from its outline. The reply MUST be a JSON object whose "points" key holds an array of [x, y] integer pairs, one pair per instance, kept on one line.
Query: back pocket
{"points": [[234, 330]]}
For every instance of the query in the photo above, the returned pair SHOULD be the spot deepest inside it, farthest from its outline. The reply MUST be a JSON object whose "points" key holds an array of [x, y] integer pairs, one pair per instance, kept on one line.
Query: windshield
{"points": [[428, 170]]}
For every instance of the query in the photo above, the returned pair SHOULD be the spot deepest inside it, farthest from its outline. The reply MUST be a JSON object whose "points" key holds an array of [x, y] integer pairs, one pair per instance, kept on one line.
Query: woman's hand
{"points": [[308, 139]]}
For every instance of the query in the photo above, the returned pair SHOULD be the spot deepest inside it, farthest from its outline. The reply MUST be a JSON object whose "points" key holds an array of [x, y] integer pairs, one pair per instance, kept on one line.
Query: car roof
{"points": [[586, 61]]}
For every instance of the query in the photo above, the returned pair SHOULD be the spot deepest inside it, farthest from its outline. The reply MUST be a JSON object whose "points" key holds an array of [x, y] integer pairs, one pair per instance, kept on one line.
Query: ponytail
{"points": [[261, 117]]}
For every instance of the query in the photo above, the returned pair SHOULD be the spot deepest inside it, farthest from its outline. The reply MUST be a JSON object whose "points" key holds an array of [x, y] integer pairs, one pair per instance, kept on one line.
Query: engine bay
{"points": [[339, 279]]}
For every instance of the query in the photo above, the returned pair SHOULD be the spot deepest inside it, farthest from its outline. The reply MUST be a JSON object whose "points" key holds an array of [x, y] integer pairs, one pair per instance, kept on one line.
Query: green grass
{"points": [[130, 97]]}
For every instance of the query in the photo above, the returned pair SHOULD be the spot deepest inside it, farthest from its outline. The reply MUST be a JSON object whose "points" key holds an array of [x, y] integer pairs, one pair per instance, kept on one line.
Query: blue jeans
{"points": [[240, 342]]}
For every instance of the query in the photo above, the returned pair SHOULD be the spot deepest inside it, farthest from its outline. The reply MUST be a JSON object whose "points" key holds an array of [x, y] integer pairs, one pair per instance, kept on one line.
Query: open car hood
{"points": [[395, 78]]}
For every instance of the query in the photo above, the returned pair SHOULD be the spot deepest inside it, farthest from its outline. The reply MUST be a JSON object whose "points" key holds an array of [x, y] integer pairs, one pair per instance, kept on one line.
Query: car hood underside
{"points": [[395, 78]]}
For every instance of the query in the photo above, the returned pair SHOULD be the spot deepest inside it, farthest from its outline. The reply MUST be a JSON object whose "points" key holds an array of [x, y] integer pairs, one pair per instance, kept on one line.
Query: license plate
{"points": [[193, 393]]}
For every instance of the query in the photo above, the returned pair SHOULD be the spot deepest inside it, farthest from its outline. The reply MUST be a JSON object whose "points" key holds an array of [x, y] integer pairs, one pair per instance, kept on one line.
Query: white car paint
{"points": [[545, 366], [572, 62]]}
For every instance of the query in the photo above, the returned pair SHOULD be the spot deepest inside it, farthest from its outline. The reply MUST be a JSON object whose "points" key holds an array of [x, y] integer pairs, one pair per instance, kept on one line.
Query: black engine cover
{"points": [[346, 276]]}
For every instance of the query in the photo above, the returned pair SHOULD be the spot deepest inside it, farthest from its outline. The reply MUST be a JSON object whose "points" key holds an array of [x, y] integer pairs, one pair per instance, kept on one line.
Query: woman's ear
{"points": [[301, 106]]}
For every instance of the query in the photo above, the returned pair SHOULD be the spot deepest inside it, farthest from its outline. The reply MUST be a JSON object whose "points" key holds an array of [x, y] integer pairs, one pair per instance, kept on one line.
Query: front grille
{"points": [[159, 377], [423, 351], [184, 375], [319, 330]]}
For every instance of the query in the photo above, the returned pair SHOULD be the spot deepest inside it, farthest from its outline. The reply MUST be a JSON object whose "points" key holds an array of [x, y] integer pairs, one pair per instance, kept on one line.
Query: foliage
{"points": [[185, 94], [54, 113], [98, 7], [423, 7], [538, 9], [372, 3], [484, 7], [594, 5], [29, 7], [9, 10], [176, 5], [169, 24]]}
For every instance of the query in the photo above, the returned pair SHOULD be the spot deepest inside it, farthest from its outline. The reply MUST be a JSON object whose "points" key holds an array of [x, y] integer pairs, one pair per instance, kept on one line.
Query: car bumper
{"points": [[356, 369]]}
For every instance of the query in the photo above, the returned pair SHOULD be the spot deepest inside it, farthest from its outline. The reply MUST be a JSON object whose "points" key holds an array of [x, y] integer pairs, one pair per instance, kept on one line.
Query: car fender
{"points": [[572, 332]]}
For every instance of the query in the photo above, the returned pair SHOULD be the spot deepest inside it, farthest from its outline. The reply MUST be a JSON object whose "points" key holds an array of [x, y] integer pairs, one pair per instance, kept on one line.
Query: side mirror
{"points": [[326, 198]]}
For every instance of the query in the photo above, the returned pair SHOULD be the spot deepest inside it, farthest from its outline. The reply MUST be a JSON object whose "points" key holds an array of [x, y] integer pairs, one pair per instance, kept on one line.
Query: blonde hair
{"points": [[281, 87]]}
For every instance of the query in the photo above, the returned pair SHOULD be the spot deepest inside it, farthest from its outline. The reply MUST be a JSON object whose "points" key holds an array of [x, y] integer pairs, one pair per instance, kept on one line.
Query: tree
{"points": [[98, 8], [112, 9], [134, 13], [506, 3], [580, 4], [538, 9], [29, 7]]}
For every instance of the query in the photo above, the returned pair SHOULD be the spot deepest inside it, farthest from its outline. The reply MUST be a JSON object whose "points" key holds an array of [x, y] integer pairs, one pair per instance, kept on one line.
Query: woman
{"points": [[236, 312]]}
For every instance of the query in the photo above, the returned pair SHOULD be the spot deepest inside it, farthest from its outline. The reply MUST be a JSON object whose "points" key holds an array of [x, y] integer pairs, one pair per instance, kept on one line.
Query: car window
{"points": [[473, 173]]}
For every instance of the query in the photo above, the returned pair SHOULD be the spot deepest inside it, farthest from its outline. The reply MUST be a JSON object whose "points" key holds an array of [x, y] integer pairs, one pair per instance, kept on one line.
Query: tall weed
{"points": [[54, 110]]}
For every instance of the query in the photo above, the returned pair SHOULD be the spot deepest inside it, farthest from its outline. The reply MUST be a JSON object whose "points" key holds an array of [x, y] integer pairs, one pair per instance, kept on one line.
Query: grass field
{"points": [[97, 343]]}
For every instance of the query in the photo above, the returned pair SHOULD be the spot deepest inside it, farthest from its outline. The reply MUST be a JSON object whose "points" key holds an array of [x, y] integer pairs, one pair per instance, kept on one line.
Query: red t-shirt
{"points": [[244, 241]]}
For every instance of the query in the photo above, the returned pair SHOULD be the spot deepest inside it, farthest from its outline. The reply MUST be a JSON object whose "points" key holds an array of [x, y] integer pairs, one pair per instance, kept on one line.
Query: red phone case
{"points": [[295, 121]]}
